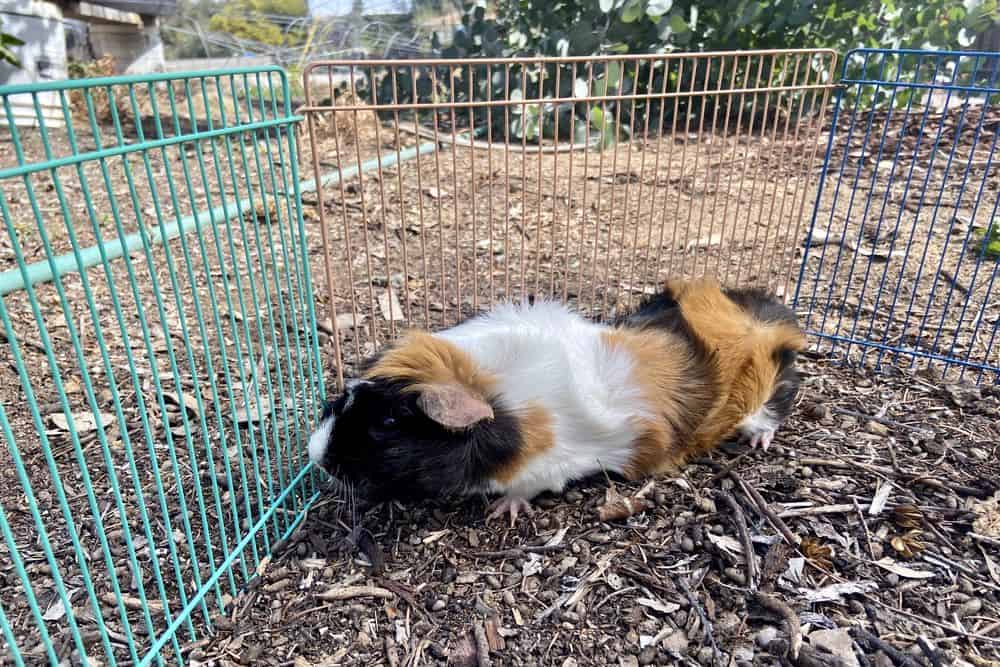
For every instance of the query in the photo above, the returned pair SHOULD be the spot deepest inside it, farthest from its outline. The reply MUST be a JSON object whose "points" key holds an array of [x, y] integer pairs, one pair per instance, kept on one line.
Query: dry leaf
{"points": [[909, 544], [348, 321], [907, 516], [55, 612], [725, 543], [835, 592], [902, 570], [433, 193], [987, 521], [83, 422], [388, 304], [190, 402], [656, 605], [880, 499], [817, 553], [617, 507]]}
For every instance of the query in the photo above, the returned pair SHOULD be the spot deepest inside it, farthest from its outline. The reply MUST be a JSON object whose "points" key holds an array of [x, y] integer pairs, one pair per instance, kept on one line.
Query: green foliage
{"points": [[191, 16], [252, 20], [7, 42]]}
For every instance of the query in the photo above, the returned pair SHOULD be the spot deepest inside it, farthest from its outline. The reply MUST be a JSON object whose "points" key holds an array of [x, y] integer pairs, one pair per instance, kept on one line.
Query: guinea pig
{"points": [[526, 398], [755, 340]]}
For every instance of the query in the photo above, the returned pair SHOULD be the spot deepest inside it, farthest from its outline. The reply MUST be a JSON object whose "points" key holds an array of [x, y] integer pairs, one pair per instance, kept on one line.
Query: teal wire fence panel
{"points": [[159, 364]]}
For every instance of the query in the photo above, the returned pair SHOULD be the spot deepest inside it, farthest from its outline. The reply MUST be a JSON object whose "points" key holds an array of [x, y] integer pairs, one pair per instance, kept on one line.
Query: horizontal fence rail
{"points": [[160, 365], [584, 179], [904, 247]]}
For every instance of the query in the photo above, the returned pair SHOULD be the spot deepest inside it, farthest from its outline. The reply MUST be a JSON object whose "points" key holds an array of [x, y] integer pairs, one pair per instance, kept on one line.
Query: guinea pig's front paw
{"points": [[762, 438], [511, 505]]}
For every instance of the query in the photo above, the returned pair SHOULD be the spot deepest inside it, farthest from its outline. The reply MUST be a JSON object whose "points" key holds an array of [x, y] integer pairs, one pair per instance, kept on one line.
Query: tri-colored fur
{"points": [[550, 396]]}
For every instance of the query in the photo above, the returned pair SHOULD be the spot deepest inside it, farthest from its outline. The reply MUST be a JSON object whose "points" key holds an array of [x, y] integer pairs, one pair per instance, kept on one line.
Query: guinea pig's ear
{"points": [[453, 406]]}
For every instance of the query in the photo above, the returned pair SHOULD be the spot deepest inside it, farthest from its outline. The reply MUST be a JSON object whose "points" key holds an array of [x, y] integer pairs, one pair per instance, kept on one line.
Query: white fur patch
{"points": [[762, 421], [320, 440], [547, 355]]}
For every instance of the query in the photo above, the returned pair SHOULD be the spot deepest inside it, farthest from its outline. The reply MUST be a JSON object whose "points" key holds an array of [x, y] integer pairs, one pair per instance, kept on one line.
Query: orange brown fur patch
{"points": [[423, 359], [673, 385], [536, 432], [745, 355]]}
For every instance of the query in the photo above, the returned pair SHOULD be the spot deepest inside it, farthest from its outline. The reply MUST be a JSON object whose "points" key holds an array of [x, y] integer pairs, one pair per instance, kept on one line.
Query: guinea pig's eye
{"points": [[389, 422]]}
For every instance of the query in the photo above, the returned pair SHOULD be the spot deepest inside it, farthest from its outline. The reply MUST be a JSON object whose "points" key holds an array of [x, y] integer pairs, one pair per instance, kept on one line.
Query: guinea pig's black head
{"points": [[394, 440]]}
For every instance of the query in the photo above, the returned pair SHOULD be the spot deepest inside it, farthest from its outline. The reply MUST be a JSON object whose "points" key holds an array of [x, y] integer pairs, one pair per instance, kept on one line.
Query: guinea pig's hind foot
{"points": [[511, 505], [762, 438]]}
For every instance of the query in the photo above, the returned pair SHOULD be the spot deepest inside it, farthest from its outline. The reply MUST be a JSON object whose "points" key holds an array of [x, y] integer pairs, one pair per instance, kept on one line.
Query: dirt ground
{"points": [[874, 535]]}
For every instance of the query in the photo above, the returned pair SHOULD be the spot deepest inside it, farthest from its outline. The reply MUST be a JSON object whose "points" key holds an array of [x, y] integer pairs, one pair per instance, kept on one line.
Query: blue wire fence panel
{"points": [[159, 365], [902, 255]]}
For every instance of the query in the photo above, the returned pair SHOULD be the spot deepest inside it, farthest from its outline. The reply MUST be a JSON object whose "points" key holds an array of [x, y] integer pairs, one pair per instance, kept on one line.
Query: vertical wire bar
{"points": [[781, 161], [642, 177], [304, 267], [88, 383], [387, 259], [885, 200], [836, 199], [690, 101], [800, 216], [399, 185], [723, 146], [189, 353], [656, 178], [256, 312], [474, 202], [670, 169], [506, 183], [489, 183], [373, 305], [833, 207], [199, 316], [616, 129], [586, 180], [443, 285], [348, 245], [148, 346], [765, 119], [602, 143], [233, 328], [746, 159], [420, 207], [870, 190], [323, 230], [293, 282], [453, 119], [958, 199], [524, 178], [284, 311], [538, 181], [273, 489], [217, 401], [716, 101], [920, 205], [570, 187], [555, 180]]}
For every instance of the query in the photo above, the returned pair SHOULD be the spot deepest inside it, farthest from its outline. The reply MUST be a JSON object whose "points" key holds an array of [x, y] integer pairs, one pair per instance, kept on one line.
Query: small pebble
{"points": [[877, 428], [817, 411], [705, 655], [970, 608], [647, 656], [439, 605], [805, 471], [706, 505], [892, 578], [735, 575], [573, 496], [766, 636], [687, 544]]}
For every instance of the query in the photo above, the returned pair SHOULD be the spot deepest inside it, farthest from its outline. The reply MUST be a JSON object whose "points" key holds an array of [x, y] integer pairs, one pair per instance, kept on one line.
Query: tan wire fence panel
{"points": [[451, 185]]}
